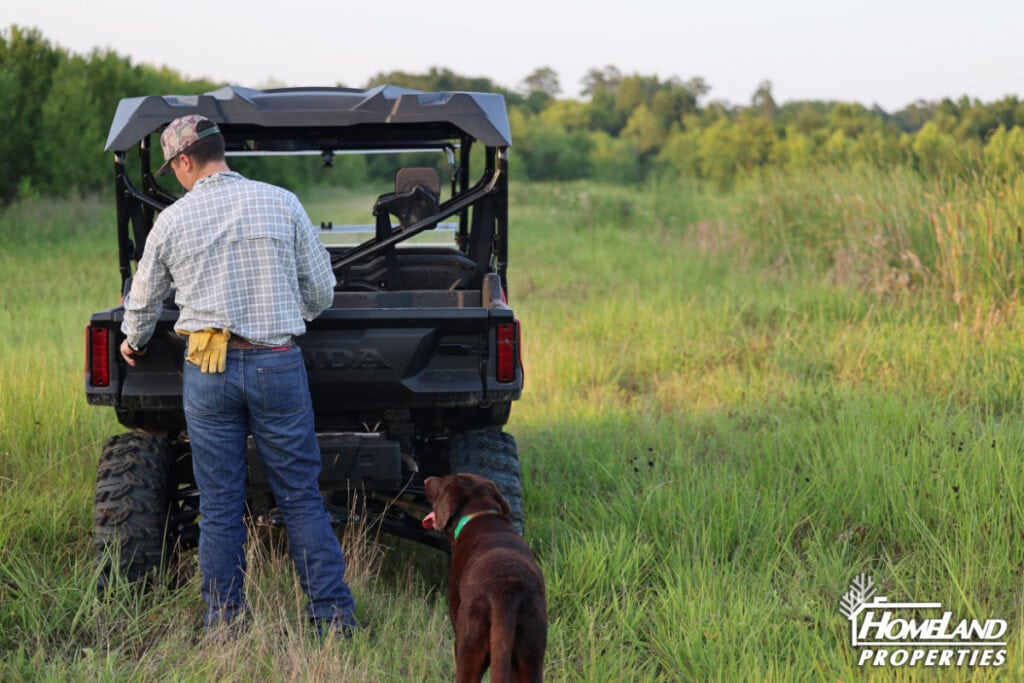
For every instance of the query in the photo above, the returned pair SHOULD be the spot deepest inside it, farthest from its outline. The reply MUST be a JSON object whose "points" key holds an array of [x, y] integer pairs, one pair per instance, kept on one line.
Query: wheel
{"points": [[130, 522], [490, 453]]}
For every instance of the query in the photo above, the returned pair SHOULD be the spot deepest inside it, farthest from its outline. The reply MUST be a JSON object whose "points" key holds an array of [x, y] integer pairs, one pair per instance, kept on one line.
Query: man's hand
{"points": [[129, 354], [208, 349]]}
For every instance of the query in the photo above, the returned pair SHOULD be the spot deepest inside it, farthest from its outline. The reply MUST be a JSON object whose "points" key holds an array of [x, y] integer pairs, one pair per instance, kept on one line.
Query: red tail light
{"points": [[97, 355], [508, 351]]}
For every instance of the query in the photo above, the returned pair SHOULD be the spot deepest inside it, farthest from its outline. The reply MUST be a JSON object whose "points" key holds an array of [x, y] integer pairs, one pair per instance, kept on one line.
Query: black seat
{"points": [[417, 195]]}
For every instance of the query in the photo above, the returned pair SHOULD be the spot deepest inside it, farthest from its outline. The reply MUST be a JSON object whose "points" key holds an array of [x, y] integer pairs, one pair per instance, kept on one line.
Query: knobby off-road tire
{"points": [[130, 513], [491, 453]]}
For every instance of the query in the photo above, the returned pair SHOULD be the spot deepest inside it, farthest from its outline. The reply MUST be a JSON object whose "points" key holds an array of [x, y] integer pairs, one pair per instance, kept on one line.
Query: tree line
{"points": [[56, 108]]}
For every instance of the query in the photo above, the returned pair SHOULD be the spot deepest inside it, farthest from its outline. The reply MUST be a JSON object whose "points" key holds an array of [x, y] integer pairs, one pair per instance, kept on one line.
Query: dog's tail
{"points": [[504, 619]]}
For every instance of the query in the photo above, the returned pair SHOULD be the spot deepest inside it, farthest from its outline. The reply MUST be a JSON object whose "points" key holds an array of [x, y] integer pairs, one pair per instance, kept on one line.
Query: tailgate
{"points": [[356, 358], [377, 358]]}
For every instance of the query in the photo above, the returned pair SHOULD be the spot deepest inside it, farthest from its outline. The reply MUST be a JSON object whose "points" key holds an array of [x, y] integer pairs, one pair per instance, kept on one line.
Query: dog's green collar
{"points": [[466, 519]]}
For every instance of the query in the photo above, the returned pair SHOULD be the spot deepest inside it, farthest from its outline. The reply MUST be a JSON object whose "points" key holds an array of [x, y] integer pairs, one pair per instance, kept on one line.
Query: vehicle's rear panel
{"points": [[357, 358]]}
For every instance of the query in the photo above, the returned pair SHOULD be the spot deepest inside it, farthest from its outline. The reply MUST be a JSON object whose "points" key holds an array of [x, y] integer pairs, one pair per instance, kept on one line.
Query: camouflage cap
{"points": [[180, 134]]}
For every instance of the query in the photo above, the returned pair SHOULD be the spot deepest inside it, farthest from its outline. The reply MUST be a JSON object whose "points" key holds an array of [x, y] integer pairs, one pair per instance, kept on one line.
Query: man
{"points": [[249, 268]]}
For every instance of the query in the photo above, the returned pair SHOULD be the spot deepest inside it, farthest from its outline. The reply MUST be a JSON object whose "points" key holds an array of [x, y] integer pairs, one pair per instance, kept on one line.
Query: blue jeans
{"points": [[263, 392]]}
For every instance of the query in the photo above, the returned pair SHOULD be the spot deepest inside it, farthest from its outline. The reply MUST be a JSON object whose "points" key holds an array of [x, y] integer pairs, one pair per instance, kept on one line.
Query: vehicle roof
{"points": [[383, 111]]}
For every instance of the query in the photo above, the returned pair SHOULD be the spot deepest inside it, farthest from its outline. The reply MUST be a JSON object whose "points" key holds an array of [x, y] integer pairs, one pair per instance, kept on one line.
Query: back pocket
{"points": [[203, 391], [285, 390]]}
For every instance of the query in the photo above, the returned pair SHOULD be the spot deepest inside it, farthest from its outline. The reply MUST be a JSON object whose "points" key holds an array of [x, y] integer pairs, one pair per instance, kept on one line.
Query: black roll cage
{"points": [[137, 208]]}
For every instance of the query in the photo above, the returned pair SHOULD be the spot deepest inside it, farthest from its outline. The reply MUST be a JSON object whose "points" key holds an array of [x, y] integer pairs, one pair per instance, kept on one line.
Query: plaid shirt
{"points": [[243, 256]]}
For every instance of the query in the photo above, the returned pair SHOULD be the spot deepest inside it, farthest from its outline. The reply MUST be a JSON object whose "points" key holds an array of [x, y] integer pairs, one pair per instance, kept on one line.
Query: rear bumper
{"points": [[356, 360]]}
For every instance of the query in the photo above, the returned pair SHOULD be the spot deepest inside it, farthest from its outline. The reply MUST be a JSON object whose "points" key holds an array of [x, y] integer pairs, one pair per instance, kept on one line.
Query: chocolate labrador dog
{"points": [[495, 588]]}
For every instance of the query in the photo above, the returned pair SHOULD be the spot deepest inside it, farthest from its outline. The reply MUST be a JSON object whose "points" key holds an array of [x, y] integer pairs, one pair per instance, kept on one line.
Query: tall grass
{"points": [[734, 404], [891, 231]]}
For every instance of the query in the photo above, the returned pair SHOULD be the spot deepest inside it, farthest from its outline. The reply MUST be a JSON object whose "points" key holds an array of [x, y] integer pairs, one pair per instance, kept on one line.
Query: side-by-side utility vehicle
{"points": [[414, 367]]}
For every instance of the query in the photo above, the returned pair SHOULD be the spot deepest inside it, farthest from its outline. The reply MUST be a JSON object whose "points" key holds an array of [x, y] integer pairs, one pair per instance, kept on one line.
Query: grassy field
{"points": [[734, 405]]}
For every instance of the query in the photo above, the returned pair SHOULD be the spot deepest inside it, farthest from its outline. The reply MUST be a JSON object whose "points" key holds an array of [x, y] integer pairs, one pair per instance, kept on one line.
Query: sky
{"points": [[890, 53]]}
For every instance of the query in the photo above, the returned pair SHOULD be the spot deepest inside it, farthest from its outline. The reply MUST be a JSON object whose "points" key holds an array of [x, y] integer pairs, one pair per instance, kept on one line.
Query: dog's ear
{"points": [[431, 486], [448, 500], [503, 505]]}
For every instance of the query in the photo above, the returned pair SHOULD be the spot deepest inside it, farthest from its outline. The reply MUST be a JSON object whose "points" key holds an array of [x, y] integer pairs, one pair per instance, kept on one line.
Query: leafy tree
{"points": [[913, 117], [757, 136], [441, 79], [762, 100], [1004, 110], [697, 87], [876, 148], [809, 119], [540, 88], [601, 81], [947, 115], [837, 148], [681, 153], [78, 108], [667, 109], [77, 130], [27, 64], [543, 80], [634, 91], [614, 159], [795, 150], [676, 100], [851, 119], [601, 85], [550, 152], [570, 114], [729, 147], [718, 153], [935, 152], [977, 122], [1004, 152], [644, 130]]}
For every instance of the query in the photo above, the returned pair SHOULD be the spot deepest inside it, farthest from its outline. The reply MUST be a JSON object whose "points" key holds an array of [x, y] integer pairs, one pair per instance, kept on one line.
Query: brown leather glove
{"points": [[208, 349]]}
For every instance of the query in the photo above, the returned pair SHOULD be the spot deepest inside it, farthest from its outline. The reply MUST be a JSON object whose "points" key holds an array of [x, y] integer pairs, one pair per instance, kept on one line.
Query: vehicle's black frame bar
{"points": [[136, 209]]}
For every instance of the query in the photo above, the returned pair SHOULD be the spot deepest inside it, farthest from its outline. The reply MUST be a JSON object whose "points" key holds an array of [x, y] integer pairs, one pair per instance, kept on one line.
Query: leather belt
{"points": [[245, 344]]}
